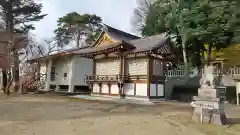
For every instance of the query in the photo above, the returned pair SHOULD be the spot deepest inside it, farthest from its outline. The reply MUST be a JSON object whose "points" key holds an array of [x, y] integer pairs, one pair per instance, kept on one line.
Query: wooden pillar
{"points": [[163, 67], [121, 72], [135, 89], [122, 64], [149, 74], [100, 88], [109, 89], [94, 67], [93, 72]]}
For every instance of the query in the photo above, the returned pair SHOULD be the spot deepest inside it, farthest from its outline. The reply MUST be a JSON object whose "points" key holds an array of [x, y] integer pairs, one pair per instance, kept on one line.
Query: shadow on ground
{"points": [[233, 121]]}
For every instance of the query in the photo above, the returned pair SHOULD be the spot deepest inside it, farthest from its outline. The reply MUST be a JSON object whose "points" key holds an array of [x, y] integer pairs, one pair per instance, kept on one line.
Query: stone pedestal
{"points": [[208, 107]]}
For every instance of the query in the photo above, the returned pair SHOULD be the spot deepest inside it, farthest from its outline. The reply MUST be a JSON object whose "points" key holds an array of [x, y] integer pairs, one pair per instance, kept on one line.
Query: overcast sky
{"points": [[116, 13]]}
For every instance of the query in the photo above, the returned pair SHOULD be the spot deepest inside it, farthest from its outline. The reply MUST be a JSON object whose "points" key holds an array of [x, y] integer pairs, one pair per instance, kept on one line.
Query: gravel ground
{"points": [[57, 115]]}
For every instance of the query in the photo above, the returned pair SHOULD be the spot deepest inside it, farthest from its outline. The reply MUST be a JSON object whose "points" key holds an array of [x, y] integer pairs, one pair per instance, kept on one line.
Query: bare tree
{"points": [[141, 14], [35, 49]]}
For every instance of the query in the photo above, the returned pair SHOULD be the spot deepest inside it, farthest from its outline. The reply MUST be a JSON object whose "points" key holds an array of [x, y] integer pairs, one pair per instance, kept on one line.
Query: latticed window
{"points": [[53, 74]]}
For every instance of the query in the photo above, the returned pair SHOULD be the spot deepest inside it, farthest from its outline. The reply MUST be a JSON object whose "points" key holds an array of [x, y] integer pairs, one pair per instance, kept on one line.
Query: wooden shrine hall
{"points": [[127, 66]]}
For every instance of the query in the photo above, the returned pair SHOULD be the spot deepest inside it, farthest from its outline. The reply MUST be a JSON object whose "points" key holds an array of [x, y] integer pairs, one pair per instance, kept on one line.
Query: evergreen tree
{"points": [[74, 26], [194, 23], [17, 16]]}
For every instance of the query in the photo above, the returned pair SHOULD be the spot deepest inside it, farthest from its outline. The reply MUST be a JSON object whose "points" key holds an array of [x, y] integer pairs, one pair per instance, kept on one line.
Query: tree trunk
{"points": [[10, 30], [4, 82], [10, 80], [208, 56], [16, 70], [185, 59], [78, 39]]}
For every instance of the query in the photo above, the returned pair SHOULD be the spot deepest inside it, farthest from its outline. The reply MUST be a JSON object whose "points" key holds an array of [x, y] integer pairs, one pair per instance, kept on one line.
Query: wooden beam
{"points": [[94, 67], [122, 61], [100, 87], [134, 88], [93, 71], [156, 89], [109, 89], [149, 73]]}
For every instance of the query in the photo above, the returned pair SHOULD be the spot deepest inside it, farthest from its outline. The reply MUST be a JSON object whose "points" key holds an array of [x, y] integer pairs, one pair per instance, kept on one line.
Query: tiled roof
{"points": [[137, 45], [133, 43], [118, 34], [149, 43], [68, 51]]}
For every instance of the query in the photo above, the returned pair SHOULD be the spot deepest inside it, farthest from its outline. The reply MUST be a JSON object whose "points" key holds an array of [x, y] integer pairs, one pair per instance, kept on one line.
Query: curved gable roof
{"points": [[119, 35]]}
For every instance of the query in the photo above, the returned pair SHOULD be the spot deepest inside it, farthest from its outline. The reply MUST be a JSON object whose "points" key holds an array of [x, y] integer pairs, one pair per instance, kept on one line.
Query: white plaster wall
{"points": [[43, 67], [82, 67], [114, 89], [153, 90], [136, 66], [141, 89], [43, 70], [109, 67], [157, 67], [96, 88], [62, 66], [105, 88], [160, 90], [128, 89]]}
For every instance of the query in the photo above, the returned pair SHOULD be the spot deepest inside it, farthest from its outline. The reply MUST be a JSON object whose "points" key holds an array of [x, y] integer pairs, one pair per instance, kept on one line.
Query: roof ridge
{"points": [[149, 37], [120, 31]]}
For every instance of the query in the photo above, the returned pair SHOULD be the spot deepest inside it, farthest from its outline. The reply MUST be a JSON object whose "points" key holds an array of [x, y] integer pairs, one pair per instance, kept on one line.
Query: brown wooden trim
{"points": [[156, 89], [94, 67], [109, 89], [158, 82], [157, 97], [124, 66], [156, 58], [149, 72], [163, 65], [136, 57], [121, 65], [135, 88], [136, 81], [100, 87], [136, 96], [106, 94], [162, 68]]}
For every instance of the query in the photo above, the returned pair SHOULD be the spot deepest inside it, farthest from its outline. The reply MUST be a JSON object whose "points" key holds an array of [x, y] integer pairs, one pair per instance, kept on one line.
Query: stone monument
{"points": [[208, 106]]}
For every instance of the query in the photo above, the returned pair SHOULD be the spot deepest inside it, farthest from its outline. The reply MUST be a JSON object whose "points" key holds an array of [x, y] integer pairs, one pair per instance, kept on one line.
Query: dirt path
{"points": [[54, 115]]}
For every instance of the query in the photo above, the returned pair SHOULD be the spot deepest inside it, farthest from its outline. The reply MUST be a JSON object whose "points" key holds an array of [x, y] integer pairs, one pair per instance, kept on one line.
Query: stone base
{"points": [[209, 116], [208, 92]]}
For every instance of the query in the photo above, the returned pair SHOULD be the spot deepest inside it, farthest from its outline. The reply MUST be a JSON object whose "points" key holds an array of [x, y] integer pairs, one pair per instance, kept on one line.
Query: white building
{"points": [[63, 72]]}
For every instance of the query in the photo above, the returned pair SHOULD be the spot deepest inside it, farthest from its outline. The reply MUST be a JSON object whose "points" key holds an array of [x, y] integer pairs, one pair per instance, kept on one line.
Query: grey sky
{"points": [[116, 13]]}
